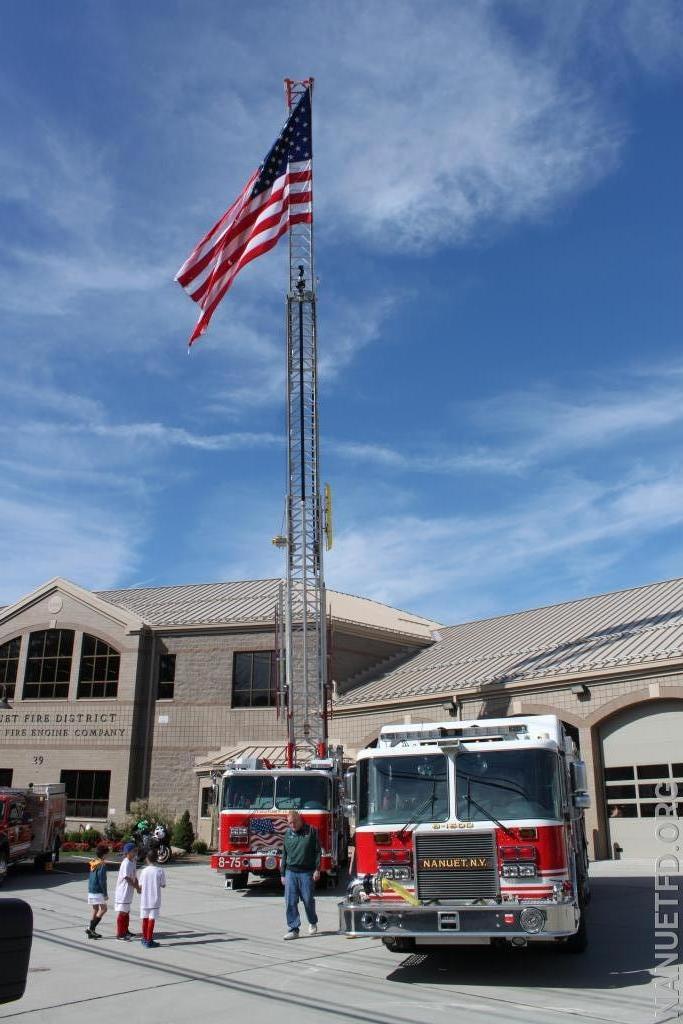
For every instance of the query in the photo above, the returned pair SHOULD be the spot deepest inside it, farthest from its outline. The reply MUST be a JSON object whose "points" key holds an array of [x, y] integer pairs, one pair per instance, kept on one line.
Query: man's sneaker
{"points": [[123, 938], [92, 934], [293, 933], [312, 929], [132, 935], [152, 943], [144, 942]]}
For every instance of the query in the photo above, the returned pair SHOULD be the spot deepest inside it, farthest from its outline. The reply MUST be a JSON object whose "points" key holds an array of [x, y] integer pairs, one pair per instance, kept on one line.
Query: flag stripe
{"points": [[277, 195]]}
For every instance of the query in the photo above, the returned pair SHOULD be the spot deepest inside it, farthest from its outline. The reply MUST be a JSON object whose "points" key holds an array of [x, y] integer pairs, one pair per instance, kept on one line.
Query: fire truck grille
{"points": [[456, 866]]}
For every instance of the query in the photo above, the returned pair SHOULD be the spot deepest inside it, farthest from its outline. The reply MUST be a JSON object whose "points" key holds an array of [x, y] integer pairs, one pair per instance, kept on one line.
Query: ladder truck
{"points": [[469, 833], [254, 795]]}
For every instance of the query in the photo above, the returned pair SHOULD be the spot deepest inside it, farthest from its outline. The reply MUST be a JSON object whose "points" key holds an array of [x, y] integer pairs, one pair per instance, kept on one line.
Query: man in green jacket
{"points": [[300, 870]]}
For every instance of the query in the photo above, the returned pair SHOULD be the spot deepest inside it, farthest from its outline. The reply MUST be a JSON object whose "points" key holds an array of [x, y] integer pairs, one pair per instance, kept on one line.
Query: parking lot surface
{"points": [[221, 957]]}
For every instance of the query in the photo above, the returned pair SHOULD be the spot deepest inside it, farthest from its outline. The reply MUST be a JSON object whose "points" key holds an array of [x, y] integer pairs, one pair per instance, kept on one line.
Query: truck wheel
{"points": [[3, 865], [399, 945], [578, 942], [238, 881]]}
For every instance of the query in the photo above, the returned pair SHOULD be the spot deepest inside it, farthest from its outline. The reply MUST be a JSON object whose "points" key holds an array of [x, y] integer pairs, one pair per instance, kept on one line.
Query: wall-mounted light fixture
{"points": [[452, 707], [581, 691]]}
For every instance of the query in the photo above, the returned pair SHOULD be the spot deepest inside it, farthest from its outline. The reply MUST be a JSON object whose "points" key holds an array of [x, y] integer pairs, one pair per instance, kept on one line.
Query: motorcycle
{"points": [[146, 839]]}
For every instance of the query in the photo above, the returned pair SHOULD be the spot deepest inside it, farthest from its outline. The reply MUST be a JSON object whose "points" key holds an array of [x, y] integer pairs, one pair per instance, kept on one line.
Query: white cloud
{"points": [[455, 567]]}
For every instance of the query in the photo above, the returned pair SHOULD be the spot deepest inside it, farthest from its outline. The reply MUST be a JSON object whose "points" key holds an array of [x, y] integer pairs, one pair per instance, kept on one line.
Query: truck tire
{"points": [[399, 945], [239, 881], [578, 942], [4, 864]]}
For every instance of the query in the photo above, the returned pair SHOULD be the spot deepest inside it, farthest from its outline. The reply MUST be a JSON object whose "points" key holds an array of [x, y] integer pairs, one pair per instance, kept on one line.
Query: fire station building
{"points": [[145, 692]]}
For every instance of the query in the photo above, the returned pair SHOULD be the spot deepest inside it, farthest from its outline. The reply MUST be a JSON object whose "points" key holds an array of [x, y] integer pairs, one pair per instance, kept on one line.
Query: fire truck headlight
{"points": [[510, 871], [367, 921], [532, 919], [402, 874], [382, 922], [527, 870], [239, 834]]}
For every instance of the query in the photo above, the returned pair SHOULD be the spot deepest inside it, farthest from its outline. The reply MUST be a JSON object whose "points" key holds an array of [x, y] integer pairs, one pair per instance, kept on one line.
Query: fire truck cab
{"points": [[254, 800], [469, 832]]}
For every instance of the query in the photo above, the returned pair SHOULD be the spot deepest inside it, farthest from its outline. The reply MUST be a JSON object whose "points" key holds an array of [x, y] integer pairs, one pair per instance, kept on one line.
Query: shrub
{"points": [[183, 833], [113, 832], [86, 837], [199, 846], [155, 814]]}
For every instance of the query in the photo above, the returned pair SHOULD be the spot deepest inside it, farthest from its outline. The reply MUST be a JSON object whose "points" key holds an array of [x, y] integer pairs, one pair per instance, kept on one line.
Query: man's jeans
{"points": [[299, 885]]}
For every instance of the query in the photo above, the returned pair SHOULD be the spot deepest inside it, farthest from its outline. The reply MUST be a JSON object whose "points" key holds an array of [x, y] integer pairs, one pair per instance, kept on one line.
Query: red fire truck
{"points": [[469, 832], [254, 799], [31, 824]]}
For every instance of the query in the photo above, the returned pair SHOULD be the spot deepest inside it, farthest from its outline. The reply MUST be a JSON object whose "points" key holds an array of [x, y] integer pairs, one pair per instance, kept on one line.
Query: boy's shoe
{"points": [[123, 938], [293, 933], [144, 942], [132, 935], [151, 944], [92, 934], [312, 929]]}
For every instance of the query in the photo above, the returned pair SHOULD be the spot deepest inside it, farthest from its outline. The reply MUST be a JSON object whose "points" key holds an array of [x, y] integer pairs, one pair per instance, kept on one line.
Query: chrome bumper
{"points": [[396, 919]]}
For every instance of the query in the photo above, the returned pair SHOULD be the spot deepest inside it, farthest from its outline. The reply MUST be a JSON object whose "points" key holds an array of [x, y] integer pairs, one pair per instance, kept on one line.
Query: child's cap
{"points": [[128, 847]]}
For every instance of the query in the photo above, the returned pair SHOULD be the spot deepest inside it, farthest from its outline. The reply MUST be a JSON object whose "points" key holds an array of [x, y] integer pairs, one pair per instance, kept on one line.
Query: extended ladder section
{"points": [[304, 611]]}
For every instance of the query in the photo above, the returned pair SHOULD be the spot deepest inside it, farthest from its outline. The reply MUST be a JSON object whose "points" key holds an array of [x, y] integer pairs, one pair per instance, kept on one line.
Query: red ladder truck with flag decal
{"points": [[254, 800], [469, 832]]}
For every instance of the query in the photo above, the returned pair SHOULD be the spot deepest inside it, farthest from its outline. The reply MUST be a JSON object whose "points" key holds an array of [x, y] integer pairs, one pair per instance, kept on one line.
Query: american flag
{"points": [[267, 832], [277, 195]]}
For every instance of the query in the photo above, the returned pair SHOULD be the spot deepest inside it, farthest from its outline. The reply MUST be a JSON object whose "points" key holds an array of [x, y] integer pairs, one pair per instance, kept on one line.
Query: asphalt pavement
{"points": [[222, 953]]}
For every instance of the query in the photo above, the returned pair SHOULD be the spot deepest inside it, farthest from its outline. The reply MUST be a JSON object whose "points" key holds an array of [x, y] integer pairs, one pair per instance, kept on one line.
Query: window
{"points": [[302, 792], [6, 776], [253, 679], [506, 785], [207, 802], [48, 666], [9, 663], [166, 685], [98, 675], [628, 800], [249, 791], [395, 790], [87, 793]]}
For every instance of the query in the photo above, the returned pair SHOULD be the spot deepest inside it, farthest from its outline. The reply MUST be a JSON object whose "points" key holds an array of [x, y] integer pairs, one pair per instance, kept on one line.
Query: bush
{"points": [[85, 837], [155, 814], [113, 832], [183, 833], [199, 846]]}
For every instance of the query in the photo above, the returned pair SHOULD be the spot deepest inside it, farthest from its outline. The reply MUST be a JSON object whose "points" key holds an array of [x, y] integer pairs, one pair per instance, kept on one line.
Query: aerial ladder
{"points": [[301, 615]]}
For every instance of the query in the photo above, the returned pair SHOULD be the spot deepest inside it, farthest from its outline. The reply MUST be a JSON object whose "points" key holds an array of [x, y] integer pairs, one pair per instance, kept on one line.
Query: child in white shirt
{"points": [[126, 884], [152, 881]]}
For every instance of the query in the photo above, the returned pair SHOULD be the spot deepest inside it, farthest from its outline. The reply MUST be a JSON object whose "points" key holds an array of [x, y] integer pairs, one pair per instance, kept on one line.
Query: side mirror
{"points": [[16, 936], [579, 777], [350, 792]]}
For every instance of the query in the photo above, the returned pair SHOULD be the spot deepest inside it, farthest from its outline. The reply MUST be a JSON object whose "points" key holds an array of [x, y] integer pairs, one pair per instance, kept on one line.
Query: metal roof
{"points": [[592, 634], [253, 601]]}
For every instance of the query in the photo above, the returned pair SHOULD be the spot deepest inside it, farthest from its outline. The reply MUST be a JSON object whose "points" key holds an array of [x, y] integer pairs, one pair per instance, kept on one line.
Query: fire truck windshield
{"points": [[302, 793], [249, 791], [394, 790], [508, 784]]}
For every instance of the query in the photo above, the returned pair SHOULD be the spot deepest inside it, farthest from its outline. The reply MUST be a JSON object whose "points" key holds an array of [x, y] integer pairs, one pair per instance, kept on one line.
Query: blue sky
{"points": [[498, 241]]}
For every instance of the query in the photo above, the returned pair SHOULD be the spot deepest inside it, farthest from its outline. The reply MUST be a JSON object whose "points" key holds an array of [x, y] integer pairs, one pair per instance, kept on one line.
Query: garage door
{"points": [[642, 749]]}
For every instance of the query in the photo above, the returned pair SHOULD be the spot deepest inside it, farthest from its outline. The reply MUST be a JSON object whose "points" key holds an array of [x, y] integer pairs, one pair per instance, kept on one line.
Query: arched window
{"points": [[48, 665], [9, 663], [98, 675]]}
